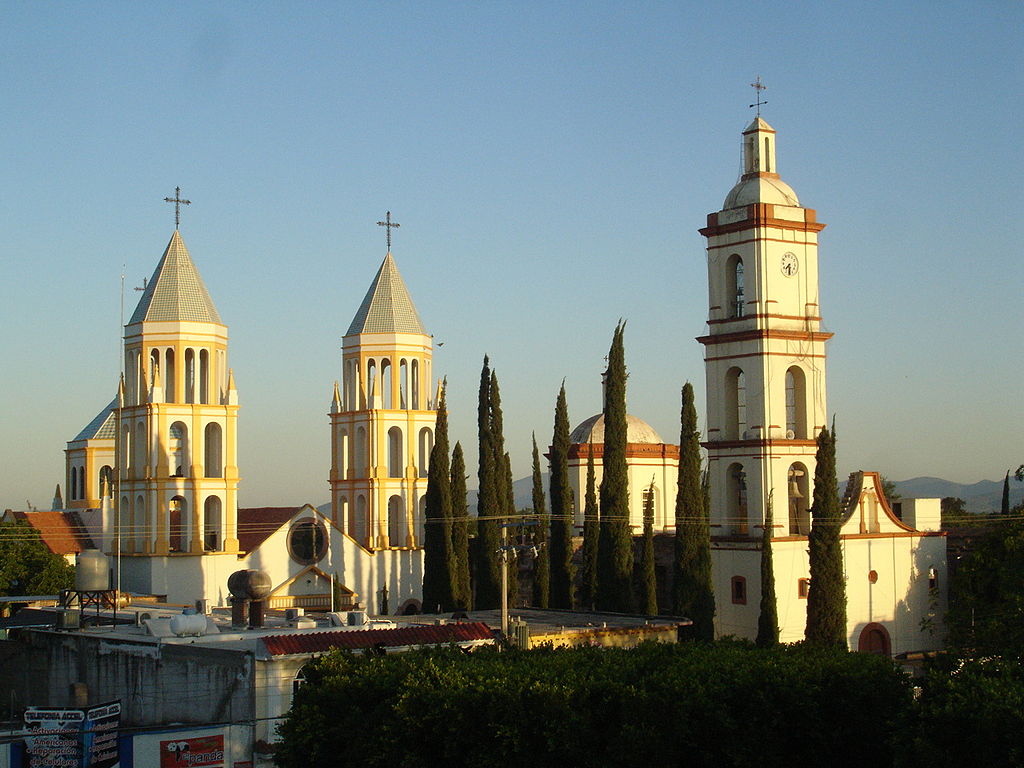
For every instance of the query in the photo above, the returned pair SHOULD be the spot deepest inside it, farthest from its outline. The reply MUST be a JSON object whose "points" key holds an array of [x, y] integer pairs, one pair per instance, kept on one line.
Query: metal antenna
{"points": [[178, 202], [390, 225], [758, 86]]}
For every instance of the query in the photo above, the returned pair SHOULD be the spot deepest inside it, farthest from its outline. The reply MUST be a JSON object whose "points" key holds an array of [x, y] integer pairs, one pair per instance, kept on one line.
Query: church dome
{"points": [[760, 189], [637, 431]]}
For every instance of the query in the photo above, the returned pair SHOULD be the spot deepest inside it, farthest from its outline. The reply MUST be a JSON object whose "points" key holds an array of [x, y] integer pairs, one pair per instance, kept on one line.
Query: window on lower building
{"points": [[739, 590]]}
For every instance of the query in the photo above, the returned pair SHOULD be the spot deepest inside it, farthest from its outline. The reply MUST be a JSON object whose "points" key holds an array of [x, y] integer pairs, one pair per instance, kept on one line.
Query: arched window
{"points": [[81, 482], [767, 156], [142, 531], [735, 404], [360, 528], [178, 529], [396, 462], [736, 500], [799, 501], [343, 521], [344, 470], [212, 451], [397, 529], [177, 449], [359, 470], [734, 287], [385, 384], [372, 395], [426, 442], [106, 476], [212, 523], [140, 449], [155, 372], [204, 376], [415, 385], [421, 517], [73, 485], [796, 403], [126, 434], [170, 389], [190, 376], [403, 384]]}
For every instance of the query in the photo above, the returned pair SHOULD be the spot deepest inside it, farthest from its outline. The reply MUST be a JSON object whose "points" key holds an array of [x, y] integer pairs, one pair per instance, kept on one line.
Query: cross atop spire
{"points": [[758, 86], [390, 225], [178, 202]]}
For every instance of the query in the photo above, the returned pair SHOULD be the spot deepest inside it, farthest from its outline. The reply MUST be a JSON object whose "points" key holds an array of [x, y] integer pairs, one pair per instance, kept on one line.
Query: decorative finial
{"points": [[758, 86], [390, 225], [178, 202]]}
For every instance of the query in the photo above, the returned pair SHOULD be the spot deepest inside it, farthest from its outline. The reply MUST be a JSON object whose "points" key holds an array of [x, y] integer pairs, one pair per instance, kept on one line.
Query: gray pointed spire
{"points": [[176, 291], [387, 307]]}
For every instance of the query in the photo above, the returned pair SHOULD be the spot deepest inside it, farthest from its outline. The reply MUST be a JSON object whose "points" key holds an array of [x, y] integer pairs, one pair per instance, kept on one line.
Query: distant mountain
{"points": [[983, 496]]}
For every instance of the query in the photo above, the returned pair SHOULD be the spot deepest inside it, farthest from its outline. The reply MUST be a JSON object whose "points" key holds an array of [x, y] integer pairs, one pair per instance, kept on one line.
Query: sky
{"points": [[550, 165]]}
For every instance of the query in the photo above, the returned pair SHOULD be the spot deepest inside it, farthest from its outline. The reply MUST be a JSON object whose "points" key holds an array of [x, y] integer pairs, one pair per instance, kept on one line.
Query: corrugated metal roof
{"points": [[387, 307], [318, 642], [100, 428], [176, 292]]}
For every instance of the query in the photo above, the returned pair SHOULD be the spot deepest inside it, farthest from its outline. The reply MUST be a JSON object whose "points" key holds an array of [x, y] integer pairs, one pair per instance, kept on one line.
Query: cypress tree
{"points": [[438, 565], [826, 598], [561, 509], [1005, 506], [541, 572], [615, 547], [692, 592], [505, 496], [488, 576], [513, 533], [591, 531], [462, 592], [648, 578], [768, 618]]}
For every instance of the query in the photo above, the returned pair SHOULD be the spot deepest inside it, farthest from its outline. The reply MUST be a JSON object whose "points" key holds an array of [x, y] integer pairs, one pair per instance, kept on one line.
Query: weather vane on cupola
{"points": [[178, 202], [390, 225], [758, 86]]}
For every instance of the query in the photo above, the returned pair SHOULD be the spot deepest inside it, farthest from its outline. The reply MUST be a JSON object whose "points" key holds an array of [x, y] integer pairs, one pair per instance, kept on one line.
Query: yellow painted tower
{"points": [[176, 434], [382, 418]]}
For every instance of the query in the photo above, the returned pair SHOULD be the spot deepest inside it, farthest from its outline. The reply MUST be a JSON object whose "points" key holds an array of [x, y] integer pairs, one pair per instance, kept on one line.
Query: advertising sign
{"points": [[196, 752], [66, 737]]}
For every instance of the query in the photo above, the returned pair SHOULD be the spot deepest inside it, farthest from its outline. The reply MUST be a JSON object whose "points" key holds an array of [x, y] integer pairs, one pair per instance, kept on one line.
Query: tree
{"points": [[438, 561], [768, 618], [541, 570], [27, 567], [826, 599], [591, 532], [648, 577], [505, 495], [561, 509], [693, 591], [615, 547], [889, 490], [488, 576], [462, 591], [1004, 507]]}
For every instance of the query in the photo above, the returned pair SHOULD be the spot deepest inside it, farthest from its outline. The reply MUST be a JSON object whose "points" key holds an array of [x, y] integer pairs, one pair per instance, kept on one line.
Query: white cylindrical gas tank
{"points": [[92, 573], [188, 625]]}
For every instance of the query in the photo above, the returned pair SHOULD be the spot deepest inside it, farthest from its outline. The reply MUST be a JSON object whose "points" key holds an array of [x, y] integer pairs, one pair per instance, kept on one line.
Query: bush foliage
{"points": [[700, 705]]}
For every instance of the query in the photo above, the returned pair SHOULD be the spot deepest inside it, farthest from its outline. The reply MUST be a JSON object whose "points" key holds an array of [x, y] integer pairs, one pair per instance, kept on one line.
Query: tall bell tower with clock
{"points": [[764, 351]]}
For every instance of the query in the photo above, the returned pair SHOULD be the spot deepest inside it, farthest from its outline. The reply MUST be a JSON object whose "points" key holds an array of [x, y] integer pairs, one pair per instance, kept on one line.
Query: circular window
{"points": [[872, 576], [307, 541]]}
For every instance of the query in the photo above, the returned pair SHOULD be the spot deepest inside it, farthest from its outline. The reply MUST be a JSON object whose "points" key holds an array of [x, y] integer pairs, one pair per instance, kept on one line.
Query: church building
{"points": [[764, 356]]}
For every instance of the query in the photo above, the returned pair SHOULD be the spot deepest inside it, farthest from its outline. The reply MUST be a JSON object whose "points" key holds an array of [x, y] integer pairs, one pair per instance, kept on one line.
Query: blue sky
{"points": [[550, 165]]}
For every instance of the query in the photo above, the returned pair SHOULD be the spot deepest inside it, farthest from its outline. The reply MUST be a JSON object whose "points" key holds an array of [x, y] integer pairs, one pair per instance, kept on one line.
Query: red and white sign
{"points": [[195, 752]]}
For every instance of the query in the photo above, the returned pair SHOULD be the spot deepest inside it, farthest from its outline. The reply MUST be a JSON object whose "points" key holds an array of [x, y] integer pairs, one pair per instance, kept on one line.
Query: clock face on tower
{"points": [[790, 265]]}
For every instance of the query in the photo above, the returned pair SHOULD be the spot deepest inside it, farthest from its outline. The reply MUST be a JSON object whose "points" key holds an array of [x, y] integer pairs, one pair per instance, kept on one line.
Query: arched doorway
{"points": [[874, 638]]}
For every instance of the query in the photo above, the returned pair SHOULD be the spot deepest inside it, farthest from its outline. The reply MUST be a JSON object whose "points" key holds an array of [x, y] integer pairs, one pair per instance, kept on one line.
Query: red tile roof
{"points": [[256, 524], [61, 531], [318, 642]]}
